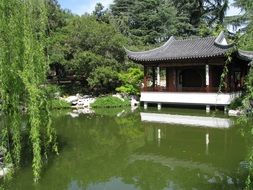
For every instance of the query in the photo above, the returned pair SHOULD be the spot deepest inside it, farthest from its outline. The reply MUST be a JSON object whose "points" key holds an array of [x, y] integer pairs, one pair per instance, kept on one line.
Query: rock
{"points": [[79, 101], [4, 170], [71, 99], [133, 108], [235, 112], [84, 102], [79, 96], [134, 102], [2, 151]]}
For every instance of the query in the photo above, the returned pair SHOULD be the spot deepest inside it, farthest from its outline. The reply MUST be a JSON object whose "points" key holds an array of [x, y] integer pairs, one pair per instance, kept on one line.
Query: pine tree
{"points": [[147, 21]]}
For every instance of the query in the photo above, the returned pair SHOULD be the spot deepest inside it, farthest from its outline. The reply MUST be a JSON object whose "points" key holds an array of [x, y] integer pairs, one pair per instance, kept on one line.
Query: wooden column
{"points": [[242, 77], [243, 74], [210, 78], [226, 87], [228, 79], [171, 73], [145, 77], [207, 78], [153, 77], [167, 79], [158, 76], [174, 82]]}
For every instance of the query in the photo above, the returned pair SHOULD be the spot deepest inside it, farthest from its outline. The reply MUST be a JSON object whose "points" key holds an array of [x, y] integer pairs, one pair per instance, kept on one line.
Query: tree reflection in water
{"points": [[106, 151]]}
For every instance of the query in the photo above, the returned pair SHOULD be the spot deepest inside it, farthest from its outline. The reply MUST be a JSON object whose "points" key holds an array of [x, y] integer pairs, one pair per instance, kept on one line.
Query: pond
{"points": [[121, 150]]}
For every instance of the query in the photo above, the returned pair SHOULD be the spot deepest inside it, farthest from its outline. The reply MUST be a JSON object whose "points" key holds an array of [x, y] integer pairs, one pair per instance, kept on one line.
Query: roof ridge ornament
{"points": [[172, 38], [221, 41]]}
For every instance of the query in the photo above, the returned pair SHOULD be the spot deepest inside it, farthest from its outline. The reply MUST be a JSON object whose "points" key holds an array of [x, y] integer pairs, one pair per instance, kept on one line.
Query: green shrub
{"points": [[236, 103], [59, 104], [52, 91], [131, 81], [109, 101]]}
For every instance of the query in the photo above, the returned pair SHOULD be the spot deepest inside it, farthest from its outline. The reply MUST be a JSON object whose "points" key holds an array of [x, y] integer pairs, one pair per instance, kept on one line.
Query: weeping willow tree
{"points": [[23, 68]]}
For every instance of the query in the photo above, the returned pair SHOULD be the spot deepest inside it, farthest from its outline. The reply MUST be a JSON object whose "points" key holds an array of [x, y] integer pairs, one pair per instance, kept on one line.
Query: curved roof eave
{"points": [[174, 49], [152, 50], [245, 55], [176, 59]]}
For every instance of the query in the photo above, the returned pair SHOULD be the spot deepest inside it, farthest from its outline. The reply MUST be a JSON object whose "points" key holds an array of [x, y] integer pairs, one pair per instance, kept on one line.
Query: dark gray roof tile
{"points": [[184, 49]]}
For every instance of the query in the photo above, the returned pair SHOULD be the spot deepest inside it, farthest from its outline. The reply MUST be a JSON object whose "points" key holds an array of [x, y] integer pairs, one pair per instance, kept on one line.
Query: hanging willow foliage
{"points": [[23, 68]]}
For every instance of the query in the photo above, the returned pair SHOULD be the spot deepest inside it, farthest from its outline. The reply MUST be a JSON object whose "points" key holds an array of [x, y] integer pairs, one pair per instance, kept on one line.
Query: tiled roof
{"points": [[175, 49], [245, 55]]}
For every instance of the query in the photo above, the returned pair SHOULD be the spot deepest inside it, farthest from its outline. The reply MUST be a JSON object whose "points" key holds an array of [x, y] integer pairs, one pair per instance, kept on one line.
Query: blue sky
{"points": [[81, 6]]}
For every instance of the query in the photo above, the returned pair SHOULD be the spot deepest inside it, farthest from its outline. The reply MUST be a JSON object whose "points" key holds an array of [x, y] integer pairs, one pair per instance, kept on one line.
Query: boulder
{"points": [[134, 102], [71, 99], [235, 112]]}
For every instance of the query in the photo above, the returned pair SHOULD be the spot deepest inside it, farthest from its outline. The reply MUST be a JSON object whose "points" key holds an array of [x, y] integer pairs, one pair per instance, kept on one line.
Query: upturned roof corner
{"points": [[190, 48]]}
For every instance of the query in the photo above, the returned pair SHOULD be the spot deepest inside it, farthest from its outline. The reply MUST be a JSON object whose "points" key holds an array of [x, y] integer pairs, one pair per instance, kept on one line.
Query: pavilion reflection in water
{"points": [[200, 121], [204, 151]]}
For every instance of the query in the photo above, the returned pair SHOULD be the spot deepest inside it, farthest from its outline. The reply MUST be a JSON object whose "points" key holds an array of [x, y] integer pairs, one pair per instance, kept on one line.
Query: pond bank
{"points": [[79, 101]]}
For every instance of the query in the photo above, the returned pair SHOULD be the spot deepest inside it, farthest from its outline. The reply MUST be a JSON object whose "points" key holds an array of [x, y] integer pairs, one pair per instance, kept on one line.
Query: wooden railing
{"points": [[183, 89]]}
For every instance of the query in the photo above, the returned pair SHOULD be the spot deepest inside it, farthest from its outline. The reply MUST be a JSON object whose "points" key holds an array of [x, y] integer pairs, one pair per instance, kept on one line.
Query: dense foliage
{"points": [[88, 50], [246, 23], [148, 21], [60, 104], [195, 14], [245, 41], [110, 101], [23, 80], [92, 51], [131, 81], [153, 21]]}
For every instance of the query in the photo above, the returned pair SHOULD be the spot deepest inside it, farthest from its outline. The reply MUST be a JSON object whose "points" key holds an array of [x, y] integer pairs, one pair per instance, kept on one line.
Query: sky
{"points": [[82, 6]]}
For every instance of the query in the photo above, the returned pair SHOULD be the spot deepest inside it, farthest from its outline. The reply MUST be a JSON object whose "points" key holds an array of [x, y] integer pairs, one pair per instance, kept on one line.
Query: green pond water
{"points": [[115, 150]]}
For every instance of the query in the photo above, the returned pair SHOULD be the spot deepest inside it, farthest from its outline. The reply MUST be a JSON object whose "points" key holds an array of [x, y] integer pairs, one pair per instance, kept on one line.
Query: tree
{"points": [[194, 13], [245, 42], [245, 21], [23, 78], [54, 15], [154, 21], [85, 46], [131, 81], [103, 79], [147, 22], [101, 14]]}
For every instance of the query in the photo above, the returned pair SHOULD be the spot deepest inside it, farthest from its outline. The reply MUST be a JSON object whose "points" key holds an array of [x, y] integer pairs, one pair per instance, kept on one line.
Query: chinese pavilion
{"points": [[188, 72]]}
